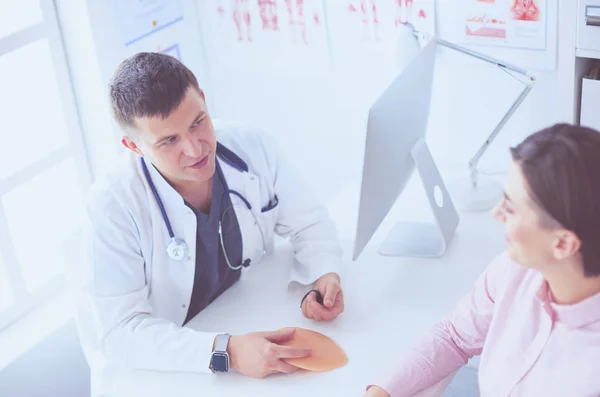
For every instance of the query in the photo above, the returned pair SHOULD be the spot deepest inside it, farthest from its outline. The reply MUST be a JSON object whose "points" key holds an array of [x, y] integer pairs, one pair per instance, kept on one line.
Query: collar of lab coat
{"points": [[170, 198], [236, 175]]}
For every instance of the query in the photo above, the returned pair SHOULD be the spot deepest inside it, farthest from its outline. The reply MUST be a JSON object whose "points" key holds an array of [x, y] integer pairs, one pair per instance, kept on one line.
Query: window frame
{"points": [[48, 28]]}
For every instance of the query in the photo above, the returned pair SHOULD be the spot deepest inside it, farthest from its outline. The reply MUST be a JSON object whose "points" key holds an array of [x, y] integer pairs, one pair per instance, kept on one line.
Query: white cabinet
{"points": [[578, 54], [588, 25], [590, 103]]}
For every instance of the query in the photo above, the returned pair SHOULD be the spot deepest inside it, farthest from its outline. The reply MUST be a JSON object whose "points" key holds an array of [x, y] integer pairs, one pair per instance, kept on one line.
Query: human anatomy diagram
{"points": [[271, 20], [295, 9], [519, 24], [268, 15], [240, 11], [406, 12], [525, 10], [403, 12], [370, 21]]}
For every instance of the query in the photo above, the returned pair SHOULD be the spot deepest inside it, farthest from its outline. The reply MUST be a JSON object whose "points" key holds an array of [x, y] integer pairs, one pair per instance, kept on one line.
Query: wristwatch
{"points": [[219, 361]]}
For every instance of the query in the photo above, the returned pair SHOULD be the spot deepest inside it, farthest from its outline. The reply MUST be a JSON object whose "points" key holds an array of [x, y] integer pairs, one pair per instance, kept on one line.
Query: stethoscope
{"points": [[177, 249]]}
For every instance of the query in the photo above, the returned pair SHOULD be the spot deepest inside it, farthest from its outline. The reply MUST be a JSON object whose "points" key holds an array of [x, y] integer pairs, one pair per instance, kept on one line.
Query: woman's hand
{"points": [[375, 391]]}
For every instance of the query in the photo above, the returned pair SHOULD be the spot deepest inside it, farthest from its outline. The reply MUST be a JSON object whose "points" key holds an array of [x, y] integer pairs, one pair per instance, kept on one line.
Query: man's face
{"points": [[181, 146]]}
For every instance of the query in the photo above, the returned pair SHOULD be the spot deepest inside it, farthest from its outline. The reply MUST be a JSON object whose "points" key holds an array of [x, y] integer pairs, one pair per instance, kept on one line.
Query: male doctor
{"points": [[172, 228]]}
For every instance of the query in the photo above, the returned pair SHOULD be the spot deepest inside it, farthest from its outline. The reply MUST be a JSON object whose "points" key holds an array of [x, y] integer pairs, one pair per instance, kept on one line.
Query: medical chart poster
{"points": [[273, 36], [173, 51], [138, 19], [377, 20], [365, 32], [507, 23]]}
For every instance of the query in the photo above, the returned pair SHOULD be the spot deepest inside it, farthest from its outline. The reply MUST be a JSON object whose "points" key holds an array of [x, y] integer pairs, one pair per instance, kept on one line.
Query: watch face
{"points": [[220, 362]]}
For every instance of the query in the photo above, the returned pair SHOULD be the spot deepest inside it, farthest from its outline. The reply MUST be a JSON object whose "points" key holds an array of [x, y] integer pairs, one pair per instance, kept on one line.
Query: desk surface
{"points": [[389, 300]]}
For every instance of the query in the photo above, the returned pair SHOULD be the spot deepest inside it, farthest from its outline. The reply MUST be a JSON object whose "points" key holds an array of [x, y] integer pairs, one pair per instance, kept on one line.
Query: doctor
{"points": [[174, 226]]}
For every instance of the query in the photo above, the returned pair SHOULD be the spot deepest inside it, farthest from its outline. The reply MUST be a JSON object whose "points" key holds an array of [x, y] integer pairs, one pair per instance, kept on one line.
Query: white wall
{"points": [[84, 60], [322, 115], [320, 119], [95, 48]]}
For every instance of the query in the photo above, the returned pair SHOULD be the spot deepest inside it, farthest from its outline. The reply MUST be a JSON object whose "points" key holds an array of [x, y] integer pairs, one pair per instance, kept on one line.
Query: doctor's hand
{"points": [[333, 299], [258, 354]]}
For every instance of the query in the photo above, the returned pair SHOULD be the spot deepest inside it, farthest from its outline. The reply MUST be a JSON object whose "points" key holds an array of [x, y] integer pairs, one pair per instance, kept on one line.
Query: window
{"points": [[43, 166], [17, 15], [5, 290]]}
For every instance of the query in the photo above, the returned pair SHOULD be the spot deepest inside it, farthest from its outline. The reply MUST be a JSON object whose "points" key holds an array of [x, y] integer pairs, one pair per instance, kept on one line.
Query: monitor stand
{"points": [[425, 240]]}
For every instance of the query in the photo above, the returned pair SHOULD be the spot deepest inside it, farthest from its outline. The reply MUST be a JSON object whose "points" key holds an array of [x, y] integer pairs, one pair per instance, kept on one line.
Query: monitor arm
{"points": [[523, 76]]}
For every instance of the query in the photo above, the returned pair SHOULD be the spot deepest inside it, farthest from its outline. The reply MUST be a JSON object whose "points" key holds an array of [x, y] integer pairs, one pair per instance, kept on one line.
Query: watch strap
{"points": [[222, 342], [318, 296]]}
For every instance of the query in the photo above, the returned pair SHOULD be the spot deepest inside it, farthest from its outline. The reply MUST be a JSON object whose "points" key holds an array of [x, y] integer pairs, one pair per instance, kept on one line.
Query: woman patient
{"points": [[534, 314]]}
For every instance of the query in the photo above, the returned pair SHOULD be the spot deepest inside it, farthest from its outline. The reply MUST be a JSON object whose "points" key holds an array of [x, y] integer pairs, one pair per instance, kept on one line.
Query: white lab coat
{"points": [[134, 298]]}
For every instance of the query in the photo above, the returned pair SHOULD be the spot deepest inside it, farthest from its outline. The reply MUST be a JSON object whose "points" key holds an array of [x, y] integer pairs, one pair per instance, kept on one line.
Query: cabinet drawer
{"points": [[588, 25]]}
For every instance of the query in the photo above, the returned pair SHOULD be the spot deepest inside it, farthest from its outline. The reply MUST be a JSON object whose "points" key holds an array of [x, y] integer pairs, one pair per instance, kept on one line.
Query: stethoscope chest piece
{"points": [[177, 249]]}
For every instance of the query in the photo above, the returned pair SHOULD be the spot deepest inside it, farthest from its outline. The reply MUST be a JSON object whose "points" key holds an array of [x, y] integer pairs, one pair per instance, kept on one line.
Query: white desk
{"points": [[389, 303]]}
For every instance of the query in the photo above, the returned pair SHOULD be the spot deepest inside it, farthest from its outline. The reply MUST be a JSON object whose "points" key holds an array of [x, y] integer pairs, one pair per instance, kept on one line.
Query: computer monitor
{"points": [[395, 147]]}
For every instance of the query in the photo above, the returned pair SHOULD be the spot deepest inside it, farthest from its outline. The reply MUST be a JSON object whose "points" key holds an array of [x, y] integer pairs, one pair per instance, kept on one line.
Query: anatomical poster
{"points": [[508, 23], [138, 19], [365, 32], [377, 20], [281, 36]]}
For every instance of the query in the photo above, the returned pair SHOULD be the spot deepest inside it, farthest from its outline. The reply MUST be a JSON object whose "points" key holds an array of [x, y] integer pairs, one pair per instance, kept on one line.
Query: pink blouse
{"points": [[529, 346]]}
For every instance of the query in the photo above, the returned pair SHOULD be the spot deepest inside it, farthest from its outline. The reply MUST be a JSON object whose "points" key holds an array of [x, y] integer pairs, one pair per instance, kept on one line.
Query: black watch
{"points": [[219, 361]]}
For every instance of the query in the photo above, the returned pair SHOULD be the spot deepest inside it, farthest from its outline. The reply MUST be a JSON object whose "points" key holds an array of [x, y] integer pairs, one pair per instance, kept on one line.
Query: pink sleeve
{"points": [[450, 343]]}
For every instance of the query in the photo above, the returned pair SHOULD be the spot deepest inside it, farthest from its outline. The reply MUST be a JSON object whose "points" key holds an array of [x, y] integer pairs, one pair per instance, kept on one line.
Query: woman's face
{"points": [[528, 242]]}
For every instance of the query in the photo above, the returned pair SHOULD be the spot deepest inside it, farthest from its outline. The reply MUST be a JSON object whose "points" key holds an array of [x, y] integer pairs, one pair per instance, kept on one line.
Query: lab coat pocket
{"points": [[252, 231], [268, 219]]}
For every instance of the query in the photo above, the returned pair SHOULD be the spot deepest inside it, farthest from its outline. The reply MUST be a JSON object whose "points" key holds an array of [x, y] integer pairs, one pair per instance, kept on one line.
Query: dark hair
{"points": [[561, 165], [149, 84]]}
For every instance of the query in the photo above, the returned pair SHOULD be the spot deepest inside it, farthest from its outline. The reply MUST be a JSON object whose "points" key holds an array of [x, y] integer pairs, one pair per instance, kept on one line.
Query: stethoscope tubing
{"points": [[245, 263], [158, 200]]}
